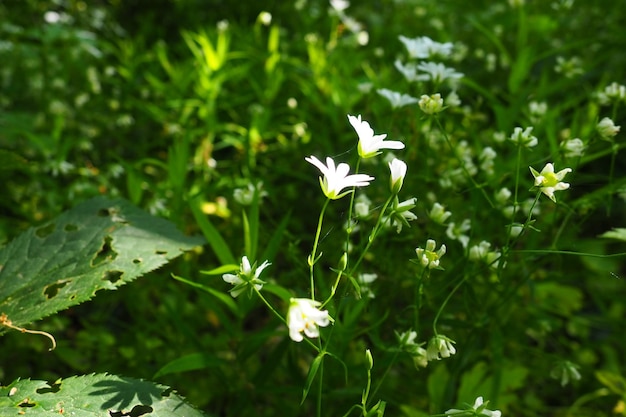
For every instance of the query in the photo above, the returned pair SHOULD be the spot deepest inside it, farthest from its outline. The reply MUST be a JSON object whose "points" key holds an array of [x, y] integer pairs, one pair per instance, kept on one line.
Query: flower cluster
{"points": [[428, 258]]}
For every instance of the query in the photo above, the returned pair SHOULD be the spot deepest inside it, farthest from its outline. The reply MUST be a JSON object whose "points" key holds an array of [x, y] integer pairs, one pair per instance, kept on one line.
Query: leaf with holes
{"points": [[96, 395], [100, 244]]}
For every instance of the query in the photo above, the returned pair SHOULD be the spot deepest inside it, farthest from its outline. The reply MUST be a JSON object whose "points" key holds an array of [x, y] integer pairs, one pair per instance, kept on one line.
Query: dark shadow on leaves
{"points": [[119, 395]]}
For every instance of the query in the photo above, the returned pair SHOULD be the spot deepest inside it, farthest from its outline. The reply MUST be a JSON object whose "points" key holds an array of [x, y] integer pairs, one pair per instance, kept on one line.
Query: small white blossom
{"points": [[265, 18], [437, 73], [305, 316], [453, 99], [362, 206], [396, 99], [570, 68], [537, 110], [440, 347], [428, 258], [457, 231], [424, 47], [336, 178], [612, 93], [407, 344], [565, 371], [438, 214], [607, 129], [409, 70], [487, 157], [503, 195], [431, 104], [524, 137], [247, 276], [364, 280], [398, 172], [549, 182], [573, 148], [339, 5], [478, 409], [369, 143], [400, 215]]}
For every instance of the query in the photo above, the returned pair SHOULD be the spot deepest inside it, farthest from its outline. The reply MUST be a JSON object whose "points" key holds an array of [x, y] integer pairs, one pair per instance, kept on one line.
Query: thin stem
{"points": [[382, 379], [445, 302], [350, 209], [372, 236], [462, 164], [312, 258], [419, 291], [320, 383]]}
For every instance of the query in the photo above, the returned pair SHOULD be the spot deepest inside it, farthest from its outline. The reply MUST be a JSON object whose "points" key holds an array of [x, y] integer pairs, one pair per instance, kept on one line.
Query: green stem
{"points": [[312, 258], [372, 236], [419, 291], [462, 164], [445, 302], [382, 379], [320, 383]]}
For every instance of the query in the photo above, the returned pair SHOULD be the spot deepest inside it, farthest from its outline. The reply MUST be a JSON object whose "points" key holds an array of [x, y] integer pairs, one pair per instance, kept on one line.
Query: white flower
{"points": [[431, 104], [612, 93], [437, 72], [409, 70], [339, 5], [569, 67], [573, 148], [428, 258], [265, 18], [407, 344], [305, 316], [424, 47], [364, 281], [369, 143], [549, 182], [362, 206], [247, 277], [607, 129], [337, 178], [440, 347], [396, 99], [523, 137], [398, 172], [478, 409], [438, 214], [456, 232], [400, 214], [565, 371]]}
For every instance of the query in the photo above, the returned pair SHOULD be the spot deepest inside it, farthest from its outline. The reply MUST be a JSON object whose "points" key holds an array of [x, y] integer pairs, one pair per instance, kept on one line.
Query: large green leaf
{"points": [[100, 244], [96, 395]]}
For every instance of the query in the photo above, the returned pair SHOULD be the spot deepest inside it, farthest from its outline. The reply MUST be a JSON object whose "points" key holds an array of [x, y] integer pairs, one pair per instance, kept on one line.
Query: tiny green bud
{"points": [[343, 262]]}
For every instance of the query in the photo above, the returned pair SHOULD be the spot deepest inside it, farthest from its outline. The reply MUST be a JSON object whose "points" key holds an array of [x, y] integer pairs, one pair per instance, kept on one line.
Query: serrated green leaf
{"points": [[96, 395], [99, 244]]}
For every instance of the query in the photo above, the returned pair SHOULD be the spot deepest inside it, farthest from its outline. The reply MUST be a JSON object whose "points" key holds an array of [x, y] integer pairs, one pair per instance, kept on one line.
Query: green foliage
{"points": [[203, 113], [100, 244], [96, 395]]}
